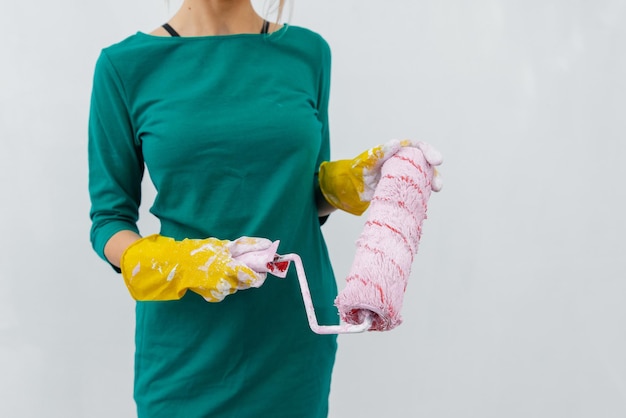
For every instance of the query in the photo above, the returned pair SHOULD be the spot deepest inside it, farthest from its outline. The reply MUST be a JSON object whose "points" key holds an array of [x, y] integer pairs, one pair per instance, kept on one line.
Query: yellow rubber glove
{"points": [[160, 268], [349, 184]]}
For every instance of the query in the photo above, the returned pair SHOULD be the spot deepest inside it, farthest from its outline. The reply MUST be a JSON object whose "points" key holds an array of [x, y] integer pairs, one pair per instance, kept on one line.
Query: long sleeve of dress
{"points": [[322, 105], [115, 161], [322, 109]]}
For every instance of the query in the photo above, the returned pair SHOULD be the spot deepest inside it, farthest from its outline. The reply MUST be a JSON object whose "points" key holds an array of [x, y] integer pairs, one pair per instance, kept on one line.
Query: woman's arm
{"points": [[323, 207], [117, 244], [115, 165]]}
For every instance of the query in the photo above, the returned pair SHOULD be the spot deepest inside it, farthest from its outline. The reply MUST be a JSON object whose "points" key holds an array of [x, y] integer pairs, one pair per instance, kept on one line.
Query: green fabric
{"points": [[232, 130]]}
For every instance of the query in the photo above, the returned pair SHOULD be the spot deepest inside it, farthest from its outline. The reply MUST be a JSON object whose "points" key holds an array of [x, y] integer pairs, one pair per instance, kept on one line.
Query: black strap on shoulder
{"points": [[170, 29], [265, 28]]}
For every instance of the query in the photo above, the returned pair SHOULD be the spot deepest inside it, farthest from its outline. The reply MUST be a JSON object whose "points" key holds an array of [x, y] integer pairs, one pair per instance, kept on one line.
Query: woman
{"points": [[229, 114]]}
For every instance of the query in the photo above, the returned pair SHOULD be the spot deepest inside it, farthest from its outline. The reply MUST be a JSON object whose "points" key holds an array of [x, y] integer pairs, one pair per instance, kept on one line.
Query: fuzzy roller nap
{"points": [[378, 277]]}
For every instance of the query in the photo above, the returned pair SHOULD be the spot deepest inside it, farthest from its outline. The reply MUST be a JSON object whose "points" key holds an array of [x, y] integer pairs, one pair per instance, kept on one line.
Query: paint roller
{"points": [[374, 292], [378, 277]]}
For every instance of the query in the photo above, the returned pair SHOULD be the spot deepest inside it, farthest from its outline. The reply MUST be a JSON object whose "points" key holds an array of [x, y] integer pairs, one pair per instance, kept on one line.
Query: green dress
{"points": [[232, 130]]}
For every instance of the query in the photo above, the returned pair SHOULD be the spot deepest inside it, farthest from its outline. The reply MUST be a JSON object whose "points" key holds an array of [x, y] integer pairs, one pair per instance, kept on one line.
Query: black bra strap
{"points": [[266, 27], [170, 29], [264, 30]]}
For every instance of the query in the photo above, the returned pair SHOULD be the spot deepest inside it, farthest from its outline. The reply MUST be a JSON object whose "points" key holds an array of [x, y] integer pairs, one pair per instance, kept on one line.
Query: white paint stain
{"points": [[172, 273], [136, 269]]}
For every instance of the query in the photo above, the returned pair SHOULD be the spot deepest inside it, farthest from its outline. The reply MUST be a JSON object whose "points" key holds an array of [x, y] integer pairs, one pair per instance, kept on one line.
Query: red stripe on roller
{"points": [[399, 233]]}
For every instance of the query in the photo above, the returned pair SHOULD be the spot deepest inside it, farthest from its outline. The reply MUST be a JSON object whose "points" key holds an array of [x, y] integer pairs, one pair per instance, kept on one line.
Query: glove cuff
{"points": [[145, 283], [340, 187]]}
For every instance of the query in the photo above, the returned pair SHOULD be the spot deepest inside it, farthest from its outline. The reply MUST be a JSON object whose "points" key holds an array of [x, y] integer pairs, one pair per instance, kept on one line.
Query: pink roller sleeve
{"points": [[386, 247]]}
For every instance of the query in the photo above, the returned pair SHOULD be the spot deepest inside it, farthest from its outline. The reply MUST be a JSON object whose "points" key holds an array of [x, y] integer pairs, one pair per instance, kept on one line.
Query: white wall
{"points": [[515, 307]]}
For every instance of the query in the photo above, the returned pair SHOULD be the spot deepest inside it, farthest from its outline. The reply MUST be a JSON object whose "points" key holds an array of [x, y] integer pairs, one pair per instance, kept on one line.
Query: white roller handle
{"points": [[310, 310]]}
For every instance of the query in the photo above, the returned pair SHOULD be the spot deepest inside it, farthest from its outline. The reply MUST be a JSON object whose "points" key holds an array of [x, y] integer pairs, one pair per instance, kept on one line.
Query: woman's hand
{"points": [[349, 184], [158, 268]]}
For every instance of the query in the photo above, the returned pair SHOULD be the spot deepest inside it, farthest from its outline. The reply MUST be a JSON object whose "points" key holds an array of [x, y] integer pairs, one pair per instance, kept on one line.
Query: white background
{"points": [[516, 306]]}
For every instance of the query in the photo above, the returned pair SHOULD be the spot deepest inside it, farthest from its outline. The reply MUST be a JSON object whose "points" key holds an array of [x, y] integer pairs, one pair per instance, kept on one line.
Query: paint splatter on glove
{"points": [[158, 268], [349, 184]]}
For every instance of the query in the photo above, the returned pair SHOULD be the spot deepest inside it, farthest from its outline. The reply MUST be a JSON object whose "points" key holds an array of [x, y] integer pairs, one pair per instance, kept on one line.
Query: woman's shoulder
{"points": [[307, 34], [304, 39], [135, 52], [129, 45]]}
